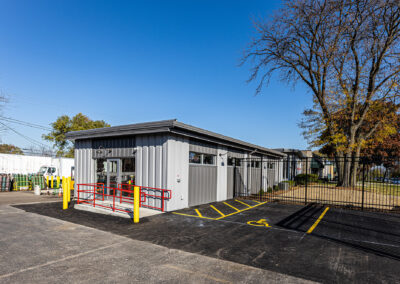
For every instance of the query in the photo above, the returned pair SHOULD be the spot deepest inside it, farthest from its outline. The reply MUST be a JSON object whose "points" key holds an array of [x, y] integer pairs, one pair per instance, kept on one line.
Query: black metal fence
{"points": [[363, 183]]}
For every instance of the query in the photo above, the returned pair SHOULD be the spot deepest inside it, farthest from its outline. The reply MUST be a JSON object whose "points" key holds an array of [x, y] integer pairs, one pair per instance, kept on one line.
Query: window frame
{"points": [[237, 163], [195, 153], [213, 159], [201, 162]]}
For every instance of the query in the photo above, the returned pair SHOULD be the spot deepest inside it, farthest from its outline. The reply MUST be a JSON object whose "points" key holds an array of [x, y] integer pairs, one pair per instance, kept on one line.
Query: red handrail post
{"points": [[140, 194], [94, 196], [120, 195], [78, 193], [103, 190], [113, 199], [162, 200]]}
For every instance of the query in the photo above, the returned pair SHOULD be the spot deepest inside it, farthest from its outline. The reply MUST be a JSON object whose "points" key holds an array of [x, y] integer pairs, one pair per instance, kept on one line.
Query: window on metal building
{"points": [[201, 159]]}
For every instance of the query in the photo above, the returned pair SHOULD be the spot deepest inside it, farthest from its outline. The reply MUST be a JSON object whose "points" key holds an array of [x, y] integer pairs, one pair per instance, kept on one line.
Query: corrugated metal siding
{"points": [[240, 181], [202, 184], [235, 154], [200, 147], [230, 183], [254, 180], [84, 163], [279, 174], [151, 153], [114, 147], [271, 177]]}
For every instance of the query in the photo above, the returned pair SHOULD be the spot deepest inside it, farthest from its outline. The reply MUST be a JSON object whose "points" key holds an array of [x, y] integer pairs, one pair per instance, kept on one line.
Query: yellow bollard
{"points": [[65, 201], [52, 181], [58, 182], [68, 190], [47, 181], [136, 203]]}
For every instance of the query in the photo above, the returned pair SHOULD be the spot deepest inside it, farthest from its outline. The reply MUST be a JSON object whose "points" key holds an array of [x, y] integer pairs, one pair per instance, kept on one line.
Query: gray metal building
{"points": [[197, 165]]}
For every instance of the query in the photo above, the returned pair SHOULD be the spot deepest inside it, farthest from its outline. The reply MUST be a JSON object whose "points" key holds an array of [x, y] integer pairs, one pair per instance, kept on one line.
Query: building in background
{"points": [[305, 161], [295, 162], [323, 167], [26, 164]]}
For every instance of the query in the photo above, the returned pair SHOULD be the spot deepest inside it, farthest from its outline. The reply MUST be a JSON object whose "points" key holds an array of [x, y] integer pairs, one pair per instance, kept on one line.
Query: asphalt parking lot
{"points": [[40, 249], [311, 242], [17, 197]]}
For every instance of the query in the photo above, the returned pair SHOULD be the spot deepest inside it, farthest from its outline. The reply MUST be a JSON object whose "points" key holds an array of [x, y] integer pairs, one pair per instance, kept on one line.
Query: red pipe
{"points": [[114, 199], [162, 200]]}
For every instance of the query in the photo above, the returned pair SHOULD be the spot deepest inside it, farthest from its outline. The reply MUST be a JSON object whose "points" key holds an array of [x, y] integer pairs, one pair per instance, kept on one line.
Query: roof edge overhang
{"points": [[123, 130], [173, 127]]}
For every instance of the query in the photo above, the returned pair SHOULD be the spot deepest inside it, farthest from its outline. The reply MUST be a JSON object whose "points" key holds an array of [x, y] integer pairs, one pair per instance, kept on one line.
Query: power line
{"points": [[33, 153], [29, 124], [33, 141]]}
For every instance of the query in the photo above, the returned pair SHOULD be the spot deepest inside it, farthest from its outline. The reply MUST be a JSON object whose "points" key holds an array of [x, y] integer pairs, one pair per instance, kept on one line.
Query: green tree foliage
{"points": [[65, 124], [378, 144], [10, 149]]}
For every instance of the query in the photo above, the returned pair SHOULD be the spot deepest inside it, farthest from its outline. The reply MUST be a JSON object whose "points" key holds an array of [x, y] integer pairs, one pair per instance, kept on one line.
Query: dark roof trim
{"points": [[224, 143], [130, 129], [171, 126], [222, 139]]}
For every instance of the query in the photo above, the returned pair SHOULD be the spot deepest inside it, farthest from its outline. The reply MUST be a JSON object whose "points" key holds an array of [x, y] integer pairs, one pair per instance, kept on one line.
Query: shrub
{"points": [[269, 189], [302, 178], [261, 192], [276, 187], [290, 182]]}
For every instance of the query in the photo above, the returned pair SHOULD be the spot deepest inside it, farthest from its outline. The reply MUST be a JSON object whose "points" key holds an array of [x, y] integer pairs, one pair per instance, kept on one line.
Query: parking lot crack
{"points": [[261, 255]]}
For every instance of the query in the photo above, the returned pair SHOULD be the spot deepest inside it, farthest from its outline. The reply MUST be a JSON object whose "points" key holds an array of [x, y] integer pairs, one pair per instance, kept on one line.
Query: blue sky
{"points": [[134, 61]]}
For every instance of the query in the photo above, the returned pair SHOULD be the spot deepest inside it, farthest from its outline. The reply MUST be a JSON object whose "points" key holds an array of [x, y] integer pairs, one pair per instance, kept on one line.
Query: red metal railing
{"points": [[156, 194], [123, 193], [151, 194]]}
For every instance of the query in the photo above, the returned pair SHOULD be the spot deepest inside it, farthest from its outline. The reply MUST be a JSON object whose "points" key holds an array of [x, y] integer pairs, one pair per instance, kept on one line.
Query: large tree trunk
{"points": [[345, 182], [350, 162], [355, 166], [347, 166], [339, 159]]}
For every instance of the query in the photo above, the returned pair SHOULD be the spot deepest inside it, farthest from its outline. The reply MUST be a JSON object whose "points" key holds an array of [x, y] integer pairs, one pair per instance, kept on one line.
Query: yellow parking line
{"points": [[222, 214], [198, 212], [195, 216], [242, 203], [318, 220], [241, 211], [256, 201], [231, 206]]}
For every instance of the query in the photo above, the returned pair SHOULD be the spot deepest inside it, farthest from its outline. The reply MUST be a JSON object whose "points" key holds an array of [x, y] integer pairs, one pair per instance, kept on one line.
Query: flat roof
{"points": [[170, 126]]}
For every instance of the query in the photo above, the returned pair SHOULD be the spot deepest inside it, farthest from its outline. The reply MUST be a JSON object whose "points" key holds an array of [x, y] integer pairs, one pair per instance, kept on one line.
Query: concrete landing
{"points": [[143, 212]]}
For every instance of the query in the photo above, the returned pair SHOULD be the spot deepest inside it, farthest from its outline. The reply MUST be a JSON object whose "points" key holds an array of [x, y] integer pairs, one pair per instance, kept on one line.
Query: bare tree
{"points": [[347, 53]]}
